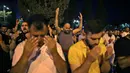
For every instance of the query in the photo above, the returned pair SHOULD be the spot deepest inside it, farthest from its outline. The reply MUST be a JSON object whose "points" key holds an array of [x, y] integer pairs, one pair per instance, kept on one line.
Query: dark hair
{"points": [[93, 26], [38, 20], [4, 26], [87, 29]]}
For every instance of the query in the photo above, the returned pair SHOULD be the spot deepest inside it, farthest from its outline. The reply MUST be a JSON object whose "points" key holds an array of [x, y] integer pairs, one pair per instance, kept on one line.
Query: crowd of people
{"points": [[38, 47]]}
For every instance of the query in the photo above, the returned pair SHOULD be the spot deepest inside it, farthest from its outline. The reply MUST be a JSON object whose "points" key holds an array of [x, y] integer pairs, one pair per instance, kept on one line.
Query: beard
{"points": [[25, 30], [40, 43]]}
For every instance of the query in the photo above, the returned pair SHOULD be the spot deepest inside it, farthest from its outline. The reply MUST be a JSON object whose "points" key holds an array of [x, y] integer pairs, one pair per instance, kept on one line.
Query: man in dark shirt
{"points": [[19, 36], [5, 62], [22, 33], [122, 51]]}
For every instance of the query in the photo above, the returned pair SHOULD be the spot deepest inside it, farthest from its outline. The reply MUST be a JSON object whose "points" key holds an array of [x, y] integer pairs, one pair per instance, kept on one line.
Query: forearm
{"points": [[84, 68], [56, 20], [57, 27], [16, 27], [12, 45], [4, 47], [105, 67], [60, 65], [81, 24], [56, 23], [21, 66]]}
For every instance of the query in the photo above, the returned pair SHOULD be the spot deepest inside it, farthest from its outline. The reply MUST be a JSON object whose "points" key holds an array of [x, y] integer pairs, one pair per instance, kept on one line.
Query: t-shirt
{"points": [[5, 62], [65, 40], [44, 63], [78, 52], [20, 38]]}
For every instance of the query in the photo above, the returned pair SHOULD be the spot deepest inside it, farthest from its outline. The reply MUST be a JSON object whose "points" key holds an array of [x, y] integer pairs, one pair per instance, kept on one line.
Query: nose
{"points": [[39, 37]]}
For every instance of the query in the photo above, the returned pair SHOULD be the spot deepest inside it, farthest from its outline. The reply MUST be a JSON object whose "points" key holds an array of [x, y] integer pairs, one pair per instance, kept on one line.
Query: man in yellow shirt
{"points": [[89, 56]]}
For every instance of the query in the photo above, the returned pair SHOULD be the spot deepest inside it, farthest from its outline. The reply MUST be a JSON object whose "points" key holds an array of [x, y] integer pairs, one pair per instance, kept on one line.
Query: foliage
{"points": [[46, 7]]}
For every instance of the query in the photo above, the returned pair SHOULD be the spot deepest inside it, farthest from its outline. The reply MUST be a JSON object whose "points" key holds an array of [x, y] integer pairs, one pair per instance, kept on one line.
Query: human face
{"points": [[67, 26], [4, 29], [115, 32], [110, 33], [91, 41], [24, 27], [40, 34], [127, 29]]}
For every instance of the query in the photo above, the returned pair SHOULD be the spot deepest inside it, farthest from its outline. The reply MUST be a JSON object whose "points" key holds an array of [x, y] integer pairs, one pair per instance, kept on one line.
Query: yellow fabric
{"points": [[78, 52], [101, 41]]}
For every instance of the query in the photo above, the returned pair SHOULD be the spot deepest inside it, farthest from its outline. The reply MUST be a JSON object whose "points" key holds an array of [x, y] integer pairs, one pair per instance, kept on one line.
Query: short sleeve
{"points": [[18, 53], [73, 56], [59, 50]]}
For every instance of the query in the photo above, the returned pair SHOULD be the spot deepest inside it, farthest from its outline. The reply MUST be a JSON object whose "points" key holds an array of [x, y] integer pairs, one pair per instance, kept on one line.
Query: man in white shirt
{"points": [[40, 53], [109, 39]]}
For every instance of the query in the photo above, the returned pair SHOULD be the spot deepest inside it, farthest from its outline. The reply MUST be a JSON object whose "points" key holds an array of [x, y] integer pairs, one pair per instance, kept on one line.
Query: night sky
{"points": [[118, 11]]}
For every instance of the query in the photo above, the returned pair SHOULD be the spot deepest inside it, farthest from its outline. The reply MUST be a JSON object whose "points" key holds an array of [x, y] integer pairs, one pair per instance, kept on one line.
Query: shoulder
{"points": [[18, 53], [20, 45], [77, 46]]}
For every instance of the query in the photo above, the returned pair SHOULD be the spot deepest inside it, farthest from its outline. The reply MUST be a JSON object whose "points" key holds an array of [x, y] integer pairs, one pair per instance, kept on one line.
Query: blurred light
{"points": [[7, 8], [4, 6], [76, 21], [28, 10]]}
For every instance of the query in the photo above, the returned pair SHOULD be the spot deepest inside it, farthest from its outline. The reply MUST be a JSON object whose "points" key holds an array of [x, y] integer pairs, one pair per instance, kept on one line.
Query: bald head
{"points": [[67, 26]]}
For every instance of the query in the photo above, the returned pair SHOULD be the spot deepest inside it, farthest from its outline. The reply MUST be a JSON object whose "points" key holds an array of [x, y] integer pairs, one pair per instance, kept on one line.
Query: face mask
{"points": [[67, 31]]}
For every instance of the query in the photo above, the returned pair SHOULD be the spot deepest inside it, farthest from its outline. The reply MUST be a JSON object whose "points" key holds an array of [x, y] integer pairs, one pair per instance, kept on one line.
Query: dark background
{"points": [[113, 11]]}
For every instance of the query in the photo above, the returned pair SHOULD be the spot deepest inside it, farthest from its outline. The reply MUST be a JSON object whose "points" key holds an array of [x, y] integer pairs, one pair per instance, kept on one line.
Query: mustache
{"points": [[40, 43], [24, 29]]}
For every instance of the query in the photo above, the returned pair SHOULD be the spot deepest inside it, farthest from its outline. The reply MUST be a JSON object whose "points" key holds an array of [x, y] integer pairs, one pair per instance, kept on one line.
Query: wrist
{"points": [[24, 59], [25, 56], [54, 52]]}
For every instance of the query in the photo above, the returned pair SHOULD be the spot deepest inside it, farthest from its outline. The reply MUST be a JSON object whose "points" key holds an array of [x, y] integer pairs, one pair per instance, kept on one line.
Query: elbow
{"points": [[80, 28]]}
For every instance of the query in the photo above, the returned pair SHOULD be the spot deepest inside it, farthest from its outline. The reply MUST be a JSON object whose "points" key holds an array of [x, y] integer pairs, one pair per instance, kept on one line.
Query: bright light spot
{"points": [[76, 21], [4, 6], [28, 10], [7, 8]]}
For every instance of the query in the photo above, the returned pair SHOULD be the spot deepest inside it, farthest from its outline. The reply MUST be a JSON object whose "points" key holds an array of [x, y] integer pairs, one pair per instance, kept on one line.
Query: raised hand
{"points": [[94, 54], [17, 22], [28, 35], [30, 45], [57, 11], [80, 17], [108, 53], [51, 44], [15, 35]]}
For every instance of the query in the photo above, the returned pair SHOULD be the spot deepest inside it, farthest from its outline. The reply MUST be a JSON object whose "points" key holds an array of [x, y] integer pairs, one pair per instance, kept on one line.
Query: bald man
{"points": [[66, 33]]}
